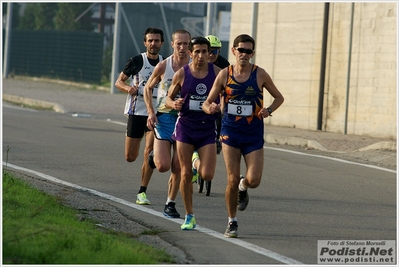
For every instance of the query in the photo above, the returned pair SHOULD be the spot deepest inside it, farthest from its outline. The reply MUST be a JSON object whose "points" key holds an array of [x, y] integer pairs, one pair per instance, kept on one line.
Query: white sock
{"points": [[193, 165], [232, 219], [241, 185], [168, 201]]}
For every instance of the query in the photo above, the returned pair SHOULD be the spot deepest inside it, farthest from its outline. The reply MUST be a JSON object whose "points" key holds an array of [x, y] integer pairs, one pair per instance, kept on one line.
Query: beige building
{"points": [[358, 62]]}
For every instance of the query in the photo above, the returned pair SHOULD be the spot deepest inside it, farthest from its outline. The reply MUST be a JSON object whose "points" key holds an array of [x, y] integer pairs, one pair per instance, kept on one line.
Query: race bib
{"points": [[239, 108], [196, 101]]}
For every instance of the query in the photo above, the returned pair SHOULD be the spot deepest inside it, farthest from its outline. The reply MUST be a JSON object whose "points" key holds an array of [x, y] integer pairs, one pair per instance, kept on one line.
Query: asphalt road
{"points": [[302, 198]]}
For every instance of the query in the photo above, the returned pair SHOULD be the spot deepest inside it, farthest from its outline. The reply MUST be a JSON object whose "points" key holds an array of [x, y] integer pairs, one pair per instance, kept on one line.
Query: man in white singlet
{"points": [[162, 120], [140, 68]]}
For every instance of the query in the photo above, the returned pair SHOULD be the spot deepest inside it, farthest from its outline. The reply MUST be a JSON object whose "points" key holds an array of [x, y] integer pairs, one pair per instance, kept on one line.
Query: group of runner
{"points": [[191, 105]]}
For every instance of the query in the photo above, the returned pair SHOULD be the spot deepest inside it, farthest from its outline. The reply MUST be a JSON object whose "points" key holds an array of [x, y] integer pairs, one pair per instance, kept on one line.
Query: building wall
{"points": [[358, 100]]}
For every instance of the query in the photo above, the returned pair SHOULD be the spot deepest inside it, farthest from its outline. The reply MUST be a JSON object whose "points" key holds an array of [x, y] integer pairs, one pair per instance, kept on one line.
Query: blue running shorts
{"points": [[245, 141], [166, 125]]}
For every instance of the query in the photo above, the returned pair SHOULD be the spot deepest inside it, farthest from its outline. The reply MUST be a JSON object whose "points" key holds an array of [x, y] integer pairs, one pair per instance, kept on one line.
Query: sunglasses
{"points": [[214, 51], [243, 50]]}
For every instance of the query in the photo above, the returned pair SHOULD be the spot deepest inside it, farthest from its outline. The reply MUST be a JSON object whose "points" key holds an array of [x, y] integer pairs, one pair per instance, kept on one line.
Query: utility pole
{"points": [[210, 18], [115, 51], [7, 44], [254, 26]]}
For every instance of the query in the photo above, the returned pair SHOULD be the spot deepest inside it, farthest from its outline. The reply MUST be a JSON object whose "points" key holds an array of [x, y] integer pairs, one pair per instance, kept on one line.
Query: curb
{"points": [[312, 144], [19, 100], [380, 145], [293, 141], [83, 85]]}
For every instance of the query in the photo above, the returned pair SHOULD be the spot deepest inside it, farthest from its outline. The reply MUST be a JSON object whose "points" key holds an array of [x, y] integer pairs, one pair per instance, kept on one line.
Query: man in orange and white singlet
{"points": [[241, 85]]}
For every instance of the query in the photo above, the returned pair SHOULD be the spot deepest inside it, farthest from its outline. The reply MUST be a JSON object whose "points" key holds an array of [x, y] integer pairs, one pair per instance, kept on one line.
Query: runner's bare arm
{"points": [[209, 105], [122, 86], [154, 79], [267, 83], [174, 89]]}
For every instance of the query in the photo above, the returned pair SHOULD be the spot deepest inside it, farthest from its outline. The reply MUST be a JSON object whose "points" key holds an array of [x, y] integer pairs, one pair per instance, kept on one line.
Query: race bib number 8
{"points": [[239, 110]]}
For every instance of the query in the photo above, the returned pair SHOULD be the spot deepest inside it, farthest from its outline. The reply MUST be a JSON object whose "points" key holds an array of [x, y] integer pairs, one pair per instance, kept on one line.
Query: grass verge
{"points": [[37, 229]]}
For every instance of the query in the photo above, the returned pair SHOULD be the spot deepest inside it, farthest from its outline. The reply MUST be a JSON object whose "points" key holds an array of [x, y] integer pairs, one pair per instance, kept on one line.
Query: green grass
{"points": [[37, 229]]}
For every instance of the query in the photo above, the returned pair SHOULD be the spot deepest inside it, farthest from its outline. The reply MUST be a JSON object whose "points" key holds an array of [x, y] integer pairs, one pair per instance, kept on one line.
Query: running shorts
{"points": [[198, 133], [166, 125], [136, 126], [245, 141]]}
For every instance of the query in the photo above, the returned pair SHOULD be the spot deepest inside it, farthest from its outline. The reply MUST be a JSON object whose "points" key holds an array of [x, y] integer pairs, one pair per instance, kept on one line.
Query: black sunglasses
{"points": [[246, 51]]}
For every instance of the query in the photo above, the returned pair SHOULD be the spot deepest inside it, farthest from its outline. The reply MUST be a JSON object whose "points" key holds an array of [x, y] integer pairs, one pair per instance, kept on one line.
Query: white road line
{"points": [[238, 242], [117, 122], [325, 157]]}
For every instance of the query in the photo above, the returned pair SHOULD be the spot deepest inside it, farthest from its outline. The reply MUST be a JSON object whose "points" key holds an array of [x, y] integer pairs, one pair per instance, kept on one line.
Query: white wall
{"points": [[289, 46]]}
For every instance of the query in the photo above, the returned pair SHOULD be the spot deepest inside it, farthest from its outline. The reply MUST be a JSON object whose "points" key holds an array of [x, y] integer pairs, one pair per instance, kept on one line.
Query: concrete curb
{"points": [[380, 145], [34, 103], [83, 85], [293, 141]]}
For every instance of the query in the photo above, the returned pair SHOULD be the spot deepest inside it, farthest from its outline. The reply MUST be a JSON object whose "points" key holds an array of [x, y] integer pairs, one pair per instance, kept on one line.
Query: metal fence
{"points": [[72, 56]]}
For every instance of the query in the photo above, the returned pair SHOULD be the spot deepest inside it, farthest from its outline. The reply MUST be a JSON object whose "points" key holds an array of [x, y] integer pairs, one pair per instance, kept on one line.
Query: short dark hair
{"points": [[153, 31], [244, 38], [198, 40]]}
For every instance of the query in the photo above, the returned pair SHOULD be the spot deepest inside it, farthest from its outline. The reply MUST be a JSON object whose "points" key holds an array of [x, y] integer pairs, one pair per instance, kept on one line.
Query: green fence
{"points": [[72, 56]]}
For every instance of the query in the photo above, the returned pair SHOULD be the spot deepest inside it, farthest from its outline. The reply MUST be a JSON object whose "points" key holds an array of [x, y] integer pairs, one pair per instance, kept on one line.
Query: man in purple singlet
{"points": [[242, 130], [195, 130]]}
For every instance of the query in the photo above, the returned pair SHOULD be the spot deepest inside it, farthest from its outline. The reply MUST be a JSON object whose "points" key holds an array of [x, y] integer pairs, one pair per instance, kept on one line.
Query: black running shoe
{"points": [[170, 210], [231, 230], [151, 160], [243, 200]]}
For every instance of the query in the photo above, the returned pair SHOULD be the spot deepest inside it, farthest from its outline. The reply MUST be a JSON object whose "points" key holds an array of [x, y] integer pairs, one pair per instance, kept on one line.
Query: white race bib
{"points": [[195, 102], [241, 109]]}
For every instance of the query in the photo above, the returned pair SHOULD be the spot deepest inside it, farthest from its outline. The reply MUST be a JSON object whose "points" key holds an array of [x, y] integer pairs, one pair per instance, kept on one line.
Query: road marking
{"points": [[326, 157], [238, 242], [117, 122]]}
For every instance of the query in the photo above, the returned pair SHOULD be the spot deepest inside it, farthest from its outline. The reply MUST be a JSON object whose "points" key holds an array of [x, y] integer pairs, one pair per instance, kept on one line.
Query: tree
{"points": [[27, 21], [38, 16], [66, 15], [55, 16], [44, 17]]}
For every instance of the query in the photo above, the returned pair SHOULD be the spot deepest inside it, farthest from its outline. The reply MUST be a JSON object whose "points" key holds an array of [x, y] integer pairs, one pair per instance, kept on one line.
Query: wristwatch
{"points": [[270, 111]]}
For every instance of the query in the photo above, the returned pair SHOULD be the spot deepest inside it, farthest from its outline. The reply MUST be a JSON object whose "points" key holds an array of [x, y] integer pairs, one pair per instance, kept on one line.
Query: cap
{"points": [[215, 42]]}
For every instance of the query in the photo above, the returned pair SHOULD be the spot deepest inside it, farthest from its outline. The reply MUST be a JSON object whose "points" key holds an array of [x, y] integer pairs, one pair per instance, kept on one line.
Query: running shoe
{"points": [[231, 230], [243, 198], [151, 160], [189, 223], [170, 210], [142, 199], [195, 172]]}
